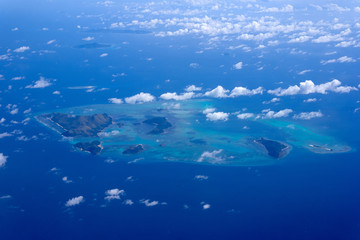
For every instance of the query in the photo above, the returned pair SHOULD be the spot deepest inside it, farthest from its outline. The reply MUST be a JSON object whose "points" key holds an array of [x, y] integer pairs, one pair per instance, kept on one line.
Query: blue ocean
{"points": [[87, 52]]}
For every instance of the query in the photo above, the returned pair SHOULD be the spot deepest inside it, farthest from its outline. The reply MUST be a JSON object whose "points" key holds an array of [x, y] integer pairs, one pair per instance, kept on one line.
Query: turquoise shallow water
{"points": [[194, 139]]}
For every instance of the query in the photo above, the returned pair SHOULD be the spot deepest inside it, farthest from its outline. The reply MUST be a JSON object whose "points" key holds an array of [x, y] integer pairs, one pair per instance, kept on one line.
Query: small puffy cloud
{"points": [[308, 115], [114, 194], [300, 39], [287, 8], [212, 157], [104, 55], [51, 42], [5, 134], [279, 114], [337, 8], [274, 100], [115, 100], [192, 88], [201, 177], [309, 100], [22, 49], [128, 202], [241, 91], [304, 71], [238, 65], [194, 65], [66, 179], [88, 38], [245, 115], [18, 78], [217, 116], [344, 59], [206, 206], [149, 203], [74, 201], [3, 159], [309, 87], [209, 110], [56, 92], [175, 96], [218, 92], [41, 83], [140, 98]]}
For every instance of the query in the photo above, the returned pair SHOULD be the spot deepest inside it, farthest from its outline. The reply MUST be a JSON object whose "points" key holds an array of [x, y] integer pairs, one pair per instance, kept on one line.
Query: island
{"points": [[161, 125], [274, 149], [323, 149], [80, 126], [93, 147], [134, 149]]}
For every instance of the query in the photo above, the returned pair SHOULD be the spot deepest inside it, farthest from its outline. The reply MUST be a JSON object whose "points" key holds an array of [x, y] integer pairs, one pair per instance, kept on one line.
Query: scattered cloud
{"points": [[3, 159], [212, 157], [88, 38], [245, 115], [241, 91], [279, 114], [149, 203], [308, 115], [41, 83], [285, 9], [304, 71], [175, 96], [104, 55], [140, 98], [238, 65], [309, 100], [5, 134], [51, 42], [116, 100], [218, 92], [209, 110], [74, 201], [201, 177], [344, 59], [308, 87], [114, 194], [192, 88], [217, 116], [22, 49]]}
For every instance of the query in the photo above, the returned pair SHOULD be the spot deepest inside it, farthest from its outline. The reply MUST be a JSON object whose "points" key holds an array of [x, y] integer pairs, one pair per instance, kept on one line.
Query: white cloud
{"points": [[218, 92], [5, 134], [140, 98], [201, 177], [310, 100], [128, 202], [273, 100], [115, 100], [22, 49], [304, 71], [206, 206], [287, 8], [211, 157], [66, 179], [332, 38], [104, 55], [238, 65], [308, 115], [2, 159], [279, 114], [74, 201], [175, 96], [194, 65], [343, 59], [192, 88], [308, 87], [149, 203], [209, 110], [114, 194], [18, 78], [241, 91], [56, 93], [335, 7], [245, 115], [217, 116], [51, 42], [300, 39], [41, 83], [88, 38]]}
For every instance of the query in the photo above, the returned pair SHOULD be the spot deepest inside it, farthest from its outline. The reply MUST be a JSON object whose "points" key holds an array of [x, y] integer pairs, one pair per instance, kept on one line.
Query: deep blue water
{"points": [[304, 196]]}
